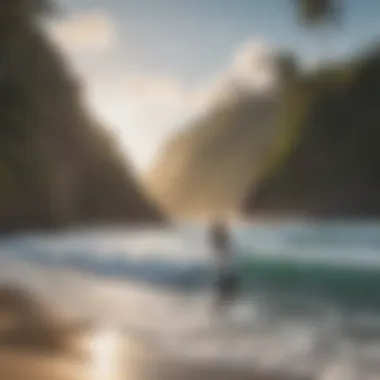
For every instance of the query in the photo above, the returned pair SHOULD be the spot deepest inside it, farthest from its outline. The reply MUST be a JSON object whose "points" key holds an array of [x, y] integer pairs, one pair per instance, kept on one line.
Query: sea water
{"points": [[309, 300]]}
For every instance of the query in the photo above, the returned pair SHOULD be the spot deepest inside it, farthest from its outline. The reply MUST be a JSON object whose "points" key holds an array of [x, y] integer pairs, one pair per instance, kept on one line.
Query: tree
{"points": [[319, 14], [14, 11], [288, 67], [314, 13]]}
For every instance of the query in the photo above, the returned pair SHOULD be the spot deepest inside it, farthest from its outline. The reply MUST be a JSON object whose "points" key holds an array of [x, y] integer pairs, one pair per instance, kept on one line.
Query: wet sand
{"points": [[38, 345], [211, 371], [16, 365], [136, 363]]}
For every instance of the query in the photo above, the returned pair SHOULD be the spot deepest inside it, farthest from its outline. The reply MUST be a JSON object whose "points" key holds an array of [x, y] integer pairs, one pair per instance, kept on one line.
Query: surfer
{"points": [[226, 284]]}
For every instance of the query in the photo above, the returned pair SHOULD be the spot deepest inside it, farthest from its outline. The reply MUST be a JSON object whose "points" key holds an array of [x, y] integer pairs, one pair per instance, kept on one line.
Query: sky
{"points": [[147, 66]]}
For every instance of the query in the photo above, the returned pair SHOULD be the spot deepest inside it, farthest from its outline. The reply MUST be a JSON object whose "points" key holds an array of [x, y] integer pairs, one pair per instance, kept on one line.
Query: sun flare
{"points": [[104, 350]]}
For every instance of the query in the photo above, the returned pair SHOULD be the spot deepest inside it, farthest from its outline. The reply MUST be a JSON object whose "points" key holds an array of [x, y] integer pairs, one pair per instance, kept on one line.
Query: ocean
{"points": [[309, 300]]}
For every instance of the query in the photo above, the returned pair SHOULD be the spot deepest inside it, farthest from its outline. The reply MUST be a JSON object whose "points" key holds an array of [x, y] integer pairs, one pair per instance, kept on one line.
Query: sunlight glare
{"points": [[104, 350]]}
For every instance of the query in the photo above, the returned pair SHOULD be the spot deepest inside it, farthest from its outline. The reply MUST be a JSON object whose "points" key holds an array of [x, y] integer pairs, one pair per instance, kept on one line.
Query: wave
{"points": [[349, 280]]}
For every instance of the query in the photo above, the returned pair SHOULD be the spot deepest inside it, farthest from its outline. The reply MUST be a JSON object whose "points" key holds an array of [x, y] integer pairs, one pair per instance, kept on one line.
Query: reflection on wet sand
{"points": [[92, 356], [36, 345], [104, 355], [109, 360], [17, 365]]}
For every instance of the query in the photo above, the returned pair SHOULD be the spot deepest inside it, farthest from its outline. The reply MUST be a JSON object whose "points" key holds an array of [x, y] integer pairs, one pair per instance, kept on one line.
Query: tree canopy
{"points": [[313, 13]]}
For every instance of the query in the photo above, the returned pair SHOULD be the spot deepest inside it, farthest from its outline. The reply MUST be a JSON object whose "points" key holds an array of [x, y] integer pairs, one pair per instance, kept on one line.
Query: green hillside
{"points": [[57, 166], [311, 150], [210, 164], [326, 161]]}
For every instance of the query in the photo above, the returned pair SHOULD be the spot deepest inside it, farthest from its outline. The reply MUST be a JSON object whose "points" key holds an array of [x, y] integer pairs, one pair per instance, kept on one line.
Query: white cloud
{"points": [[161, 90], [86, 32], [255, 63], [252, 58], [252, 68]]}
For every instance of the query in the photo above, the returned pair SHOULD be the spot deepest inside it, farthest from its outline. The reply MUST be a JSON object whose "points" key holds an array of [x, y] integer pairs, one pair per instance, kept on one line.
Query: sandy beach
{"points": [[31, 366], [136, 362], [36, 344], [16, 365]]}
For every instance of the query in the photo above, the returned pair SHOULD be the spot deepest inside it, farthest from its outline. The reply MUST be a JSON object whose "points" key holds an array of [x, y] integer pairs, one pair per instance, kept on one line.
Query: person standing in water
{"points": [[227, 282]]}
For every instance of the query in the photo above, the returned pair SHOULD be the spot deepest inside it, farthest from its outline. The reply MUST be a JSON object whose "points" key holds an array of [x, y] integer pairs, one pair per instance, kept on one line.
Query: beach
{"points": [[17, 365], [38, 345], [124, 305], [138, 362]]}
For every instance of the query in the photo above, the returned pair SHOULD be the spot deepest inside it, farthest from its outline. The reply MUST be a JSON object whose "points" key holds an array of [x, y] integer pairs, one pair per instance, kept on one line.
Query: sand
{"points": [[16, 365], [136, 363], [35, 345]]}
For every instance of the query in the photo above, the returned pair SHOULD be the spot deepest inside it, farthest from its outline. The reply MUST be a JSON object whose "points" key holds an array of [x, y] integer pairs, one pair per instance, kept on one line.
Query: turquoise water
{"points": [[305, 286], [338, 263], [343, 286]]}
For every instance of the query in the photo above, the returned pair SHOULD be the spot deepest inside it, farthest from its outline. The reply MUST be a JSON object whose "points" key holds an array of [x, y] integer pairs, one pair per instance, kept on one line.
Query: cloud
{"points": [[255, 63], [251, 68], [162, 90], [86, 32]]}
